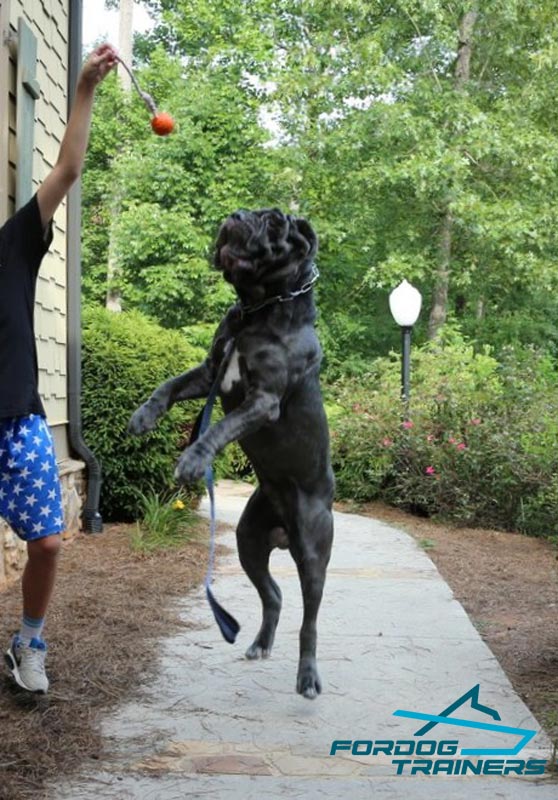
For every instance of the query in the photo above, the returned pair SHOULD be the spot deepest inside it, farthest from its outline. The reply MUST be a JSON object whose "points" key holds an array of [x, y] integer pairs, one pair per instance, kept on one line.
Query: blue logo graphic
{"points": [[444, 717], [418, 755]]}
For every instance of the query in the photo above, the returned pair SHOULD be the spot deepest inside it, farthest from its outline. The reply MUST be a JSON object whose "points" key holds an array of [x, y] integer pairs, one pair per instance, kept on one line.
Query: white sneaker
{"points": [[26, 662]]}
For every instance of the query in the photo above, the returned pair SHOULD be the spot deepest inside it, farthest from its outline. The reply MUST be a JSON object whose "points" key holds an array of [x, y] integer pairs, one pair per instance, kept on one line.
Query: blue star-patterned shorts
{"points": [[30, 496]]}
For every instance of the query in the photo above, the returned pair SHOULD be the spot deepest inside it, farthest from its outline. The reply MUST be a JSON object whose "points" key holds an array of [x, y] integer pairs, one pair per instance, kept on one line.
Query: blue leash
{"points": [[228, 626]]}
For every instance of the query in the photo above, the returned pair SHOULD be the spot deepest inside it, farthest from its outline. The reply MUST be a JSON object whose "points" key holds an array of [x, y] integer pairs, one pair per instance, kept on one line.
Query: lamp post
{"points": [[405, 303]]}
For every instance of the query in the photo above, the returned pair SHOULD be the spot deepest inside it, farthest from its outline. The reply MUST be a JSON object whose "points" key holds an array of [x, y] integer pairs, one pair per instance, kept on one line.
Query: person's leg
{"points": [[37, 582], [34, 510]]}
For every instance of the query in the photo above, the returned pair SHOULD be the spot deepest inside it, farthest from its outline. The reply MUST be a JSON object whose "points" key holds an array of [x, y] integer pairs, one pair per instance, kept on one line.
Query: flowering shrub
{"points": [[166, 520], [478, 446]]}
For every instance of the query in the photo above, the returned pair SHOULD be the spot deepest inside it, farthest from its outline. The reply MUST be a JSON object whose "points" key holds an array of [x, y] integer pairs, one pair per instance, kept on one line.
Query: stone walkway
{"points": [[391, 636]]}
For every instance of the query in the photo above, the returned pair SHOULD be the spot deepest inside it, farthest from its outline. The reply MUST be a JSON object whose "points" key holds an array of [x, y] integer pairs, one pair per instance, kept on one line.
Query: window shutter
{"points": [[28, 90]]}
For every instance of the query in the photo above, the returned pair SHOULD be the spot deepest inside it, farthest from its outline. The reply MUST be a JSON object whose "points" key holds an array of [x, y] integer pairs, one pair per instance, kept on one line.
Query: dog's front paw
{"points": [[308, 682], [191, 465], [144, 419]]}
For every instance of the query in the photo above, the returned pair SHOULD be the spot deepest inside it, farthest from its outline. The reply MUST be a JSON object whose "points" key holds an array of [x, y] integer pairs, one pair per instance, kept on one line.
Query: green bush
{"points": [[539, 513], [125, 356], [479, 447]]}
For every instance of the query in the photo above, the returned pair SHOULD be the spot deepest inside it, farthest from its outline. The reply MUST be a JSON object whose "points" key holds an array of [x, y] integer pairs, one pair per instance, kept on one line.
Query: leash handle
{"points": [[228, 626]]}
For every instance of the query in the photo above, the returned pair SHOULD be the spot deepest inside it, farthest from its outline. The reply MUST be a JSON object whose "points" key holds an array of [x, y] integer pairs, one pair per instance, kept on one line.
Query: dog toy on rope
{"points": [[161, 122]]}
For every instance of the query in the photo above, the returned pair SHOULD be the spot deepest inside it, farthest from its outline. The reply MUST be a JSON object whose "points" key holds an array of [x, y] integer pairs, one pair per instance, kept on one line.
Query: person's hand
{"points": [[101, 61]]}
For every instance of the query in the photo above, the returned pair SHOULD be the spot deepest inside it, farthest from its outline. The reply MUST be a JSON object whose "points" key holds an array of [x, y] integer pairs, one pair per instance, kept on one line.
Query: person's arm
{"points": [[74, 144]]}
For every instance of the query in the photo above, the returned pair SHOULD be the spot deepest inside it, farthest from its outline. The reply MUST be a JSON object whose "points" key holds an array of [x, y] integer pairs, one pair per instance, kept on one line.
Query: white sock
{"points": [[30, 628]]}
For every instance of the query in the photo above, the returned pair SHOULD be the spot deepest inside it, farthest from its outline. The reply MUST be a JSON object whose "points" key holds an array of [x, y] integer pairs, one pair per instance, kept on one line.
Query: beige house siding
{"points": [[48, 20]]}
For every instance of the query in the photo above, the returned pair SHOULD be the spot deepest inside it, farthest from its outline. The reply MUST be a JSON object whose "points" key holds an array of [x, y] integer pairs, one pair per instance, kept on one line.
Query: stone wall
{"points": [[13, 551]]}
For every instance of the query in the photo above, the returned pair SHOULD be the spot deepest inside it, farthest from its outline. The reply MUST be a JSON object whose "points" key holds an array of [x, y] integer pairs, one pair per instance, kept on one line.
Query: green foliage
{"points": [[166, 521], [159, 201], [479, 447], [125, 356], [538, 515], [232, 463]]}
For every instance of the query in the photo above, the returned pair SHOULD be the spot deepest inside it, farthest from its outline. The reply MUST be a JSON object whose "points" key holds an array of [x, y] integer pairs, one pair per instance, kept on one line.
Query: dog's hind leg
{"points": [[310, 545], [257, 534]]}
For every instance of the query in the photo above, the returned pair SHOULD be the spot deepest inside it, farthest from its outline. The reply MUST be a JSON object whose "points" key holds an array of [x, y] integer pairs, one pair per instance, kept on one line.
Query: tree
{"points": [[419, 139], [125, 39]]}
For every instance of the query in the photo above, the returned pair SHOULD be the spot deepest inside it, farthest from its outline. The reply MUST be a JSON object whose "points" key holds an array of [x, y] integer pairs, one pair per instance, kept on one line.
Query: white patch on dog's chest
{"points": [[232, 374]]}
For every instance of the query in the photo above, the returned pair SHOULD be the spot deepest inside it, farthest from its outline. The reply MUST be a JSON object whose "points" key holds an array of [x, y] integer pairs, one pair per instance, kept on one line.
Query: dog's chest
{"points": [[232, 373]]}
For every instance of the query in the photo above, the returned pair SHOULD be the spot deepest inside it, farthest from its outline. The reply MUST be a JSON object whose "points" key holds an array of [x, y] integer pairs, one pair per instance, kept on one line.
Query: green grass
{"points": [[166, 521], [427, 544]]}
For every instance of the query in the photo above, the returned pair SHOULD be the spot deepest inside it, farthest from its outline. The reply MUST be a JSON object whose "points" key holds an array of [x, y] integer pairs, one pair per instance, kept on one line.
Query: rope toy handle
{"points": [[161, 123]]}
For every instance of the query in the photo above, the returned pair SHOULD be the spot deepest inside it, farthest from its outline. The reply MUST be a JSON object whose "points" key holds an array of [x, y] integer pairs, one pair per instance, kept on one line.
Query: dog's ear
{"points": [[304, 233]]}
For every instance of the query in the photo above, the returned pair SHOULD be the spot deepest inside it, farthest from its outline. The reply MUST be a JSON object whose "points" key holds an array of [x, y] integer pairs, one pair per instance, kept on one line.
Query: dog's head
{"points": [[265, 252]]}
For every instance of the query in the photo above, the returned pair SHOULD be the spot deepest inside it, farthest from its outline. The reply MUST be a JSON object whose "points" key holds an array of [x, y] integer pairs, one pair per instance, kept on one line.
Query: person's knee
{"points": [[46, 548]]}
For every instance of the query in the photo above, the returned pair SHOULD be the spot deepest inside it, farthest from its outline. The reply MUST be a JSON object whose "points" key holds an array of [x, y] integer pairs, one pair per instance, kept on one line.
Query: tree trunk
{"points": [[125, 41], [439, 309], [113, 300]]}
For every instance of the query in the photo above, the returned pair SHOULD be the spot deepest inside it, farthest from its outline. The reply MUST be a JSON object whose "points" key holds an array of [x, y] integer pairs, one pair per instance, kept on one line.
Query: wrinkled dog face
{"points": [[266, 251]]}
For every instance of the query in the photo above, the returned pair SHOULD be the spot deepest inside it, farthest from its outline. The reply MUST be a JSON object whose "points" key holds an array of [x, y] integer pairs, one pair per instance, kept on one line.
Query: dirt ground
{"points": [[508, 584], [111, 603]]}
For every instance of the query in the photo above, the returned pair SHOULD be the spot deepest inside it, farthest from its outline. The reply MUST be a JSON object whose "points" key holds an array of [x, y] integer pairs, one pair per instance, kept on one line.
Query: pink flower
{"points": [[407, 424], [461, 446], [387, 442], [430, 437], [430, 471], [475, 421], [451, 440]]}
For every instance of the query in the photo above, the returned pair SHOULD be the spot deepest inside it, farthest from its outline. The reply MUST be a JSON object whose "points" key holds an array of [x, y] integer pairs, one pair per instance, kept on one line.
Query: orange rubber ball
{"points": [[162, 124]]}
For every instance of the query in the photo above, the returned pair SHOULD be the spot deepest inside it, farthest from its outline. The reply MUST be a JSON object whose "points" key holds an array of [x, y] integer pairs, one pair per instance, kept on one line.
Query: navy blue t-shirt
{"points": [[23, 244]]}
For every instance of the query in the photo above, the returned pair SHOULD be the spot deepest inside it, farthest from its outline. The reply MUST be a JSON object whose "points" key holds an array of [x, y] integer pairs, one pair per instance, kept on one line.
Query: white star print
{"points": [[29, 488]]}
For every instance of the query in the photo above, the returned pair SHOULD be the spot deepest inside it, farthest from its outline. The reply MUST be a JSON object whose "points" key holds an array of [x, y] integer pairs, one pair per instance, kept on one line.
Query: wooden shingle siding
{"points": [[48, 19], [5, 108]]}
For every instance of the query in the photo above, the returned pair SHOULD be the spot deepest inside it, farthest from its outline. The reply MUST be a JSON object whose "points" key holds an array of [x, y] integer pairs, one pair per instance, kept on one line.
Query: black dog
{"points": [[269, 389]]}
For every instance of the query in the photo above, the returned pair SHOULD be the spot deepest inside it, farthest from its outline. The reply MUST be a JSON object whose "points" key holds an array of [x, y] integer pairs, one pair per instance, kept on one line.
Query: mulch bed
{"points": [[508, 584], [110, 604]]}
